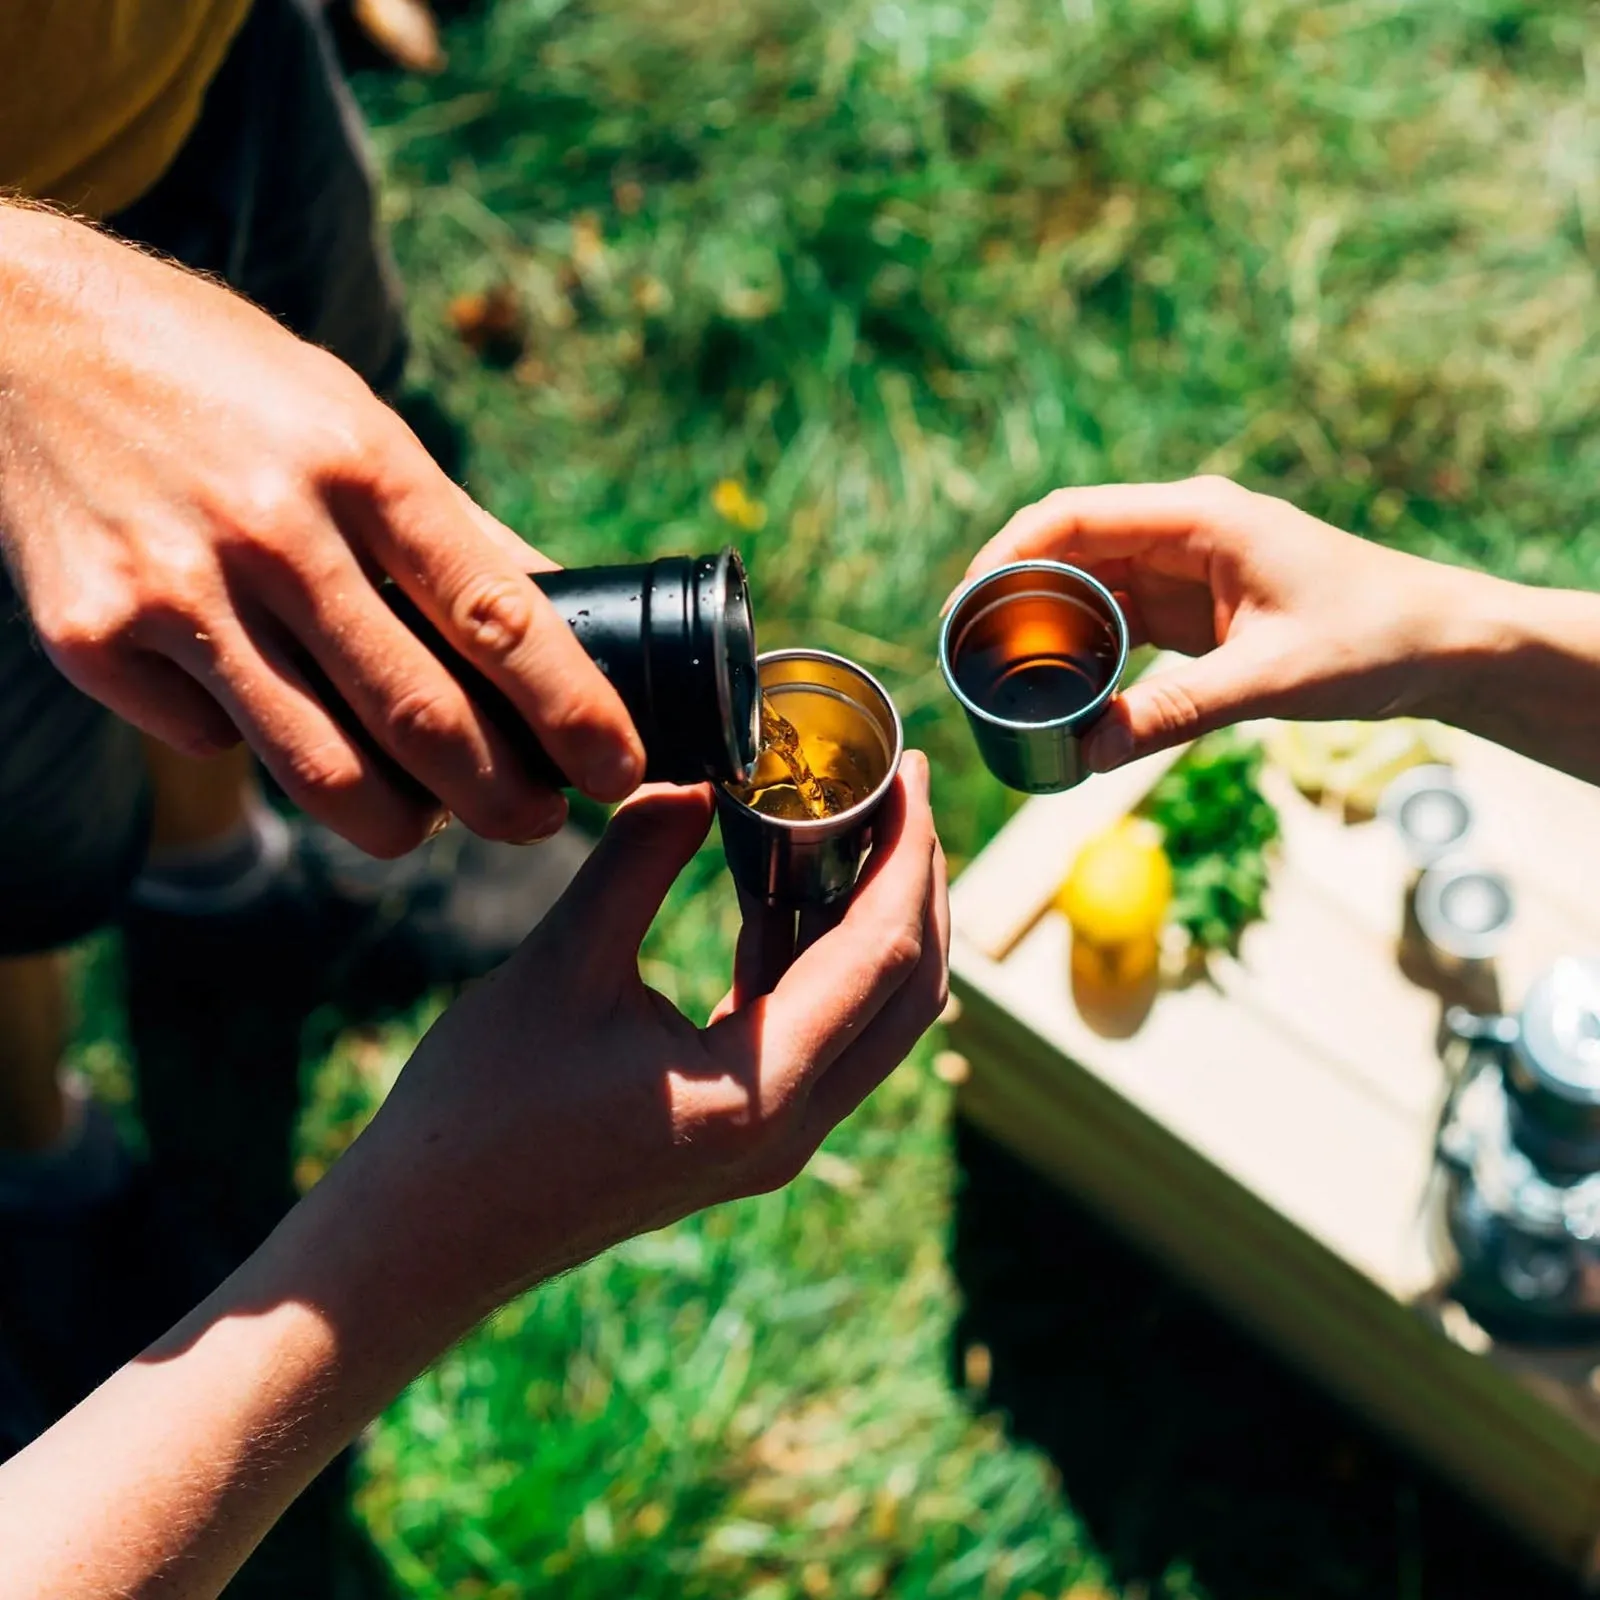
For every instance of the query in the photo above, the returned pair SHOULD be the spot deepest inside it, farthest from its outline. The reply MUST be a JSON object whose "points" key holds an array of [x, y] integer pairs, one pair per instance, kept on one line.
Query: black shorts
{"points": [[273, 193]]}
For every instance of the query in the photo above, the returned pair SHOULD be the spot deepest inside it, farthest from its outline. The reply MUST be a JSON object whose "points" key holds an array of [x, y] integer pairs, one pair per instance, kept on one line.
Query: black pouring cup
{"points": [[677, 640]]}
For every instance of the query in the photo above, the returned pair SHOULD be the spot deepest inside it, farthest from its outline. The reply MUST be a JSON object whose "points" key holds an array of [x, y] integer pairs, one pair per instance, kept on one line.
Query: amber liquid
{"points": [[1038, 689], [1035, 659], [800, 778], [782, 738]]}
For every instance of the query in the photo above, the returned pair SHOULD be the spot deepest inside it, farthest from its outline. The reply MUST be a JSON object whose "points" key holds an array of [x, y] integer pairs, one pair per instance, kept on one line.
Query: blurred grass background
{"points": [[847, 284]]}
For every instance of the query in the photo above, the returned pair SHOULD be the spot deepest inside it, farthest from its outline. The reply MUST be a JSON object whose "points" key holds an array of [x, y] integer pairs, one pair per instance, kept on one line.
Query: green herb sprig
{"points": [[1217, 826]]}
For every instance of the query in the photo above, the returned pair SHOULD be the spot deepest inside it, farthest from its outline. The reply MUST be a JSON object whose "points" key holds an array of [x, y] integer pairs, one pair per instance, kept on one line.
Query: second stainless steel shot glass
{"points": [[1464, 912], [1034, 651], [850, 734]]}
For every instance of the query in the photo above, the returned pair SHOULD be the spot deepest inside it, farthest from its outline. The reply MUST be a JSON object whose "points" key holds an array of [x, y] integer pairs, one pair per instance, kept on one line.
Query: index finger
{"points": [[1105, 522], [889, 1040], [475, 589]]}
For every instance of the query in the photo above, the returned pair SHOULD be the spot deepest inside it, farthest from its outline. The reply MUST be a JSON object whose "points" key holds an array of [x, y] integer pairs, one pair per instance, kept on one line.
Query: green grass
{"points": [[897, 268], [753, 1402]]}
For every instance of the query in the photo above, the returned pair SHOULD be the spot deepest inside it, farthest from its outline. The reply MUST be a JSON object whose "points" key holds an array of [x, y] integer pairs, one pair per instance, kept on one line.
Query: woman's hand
{"points": [[197, 508], [1284, 615], [557, 1108], [563, 1104]]}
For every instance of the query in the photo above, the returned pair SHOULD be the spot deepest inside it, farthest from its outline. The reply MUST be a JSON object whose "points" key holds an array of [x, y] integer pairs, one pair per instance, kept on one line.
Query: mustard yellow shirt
{"points": [[96, 96]]}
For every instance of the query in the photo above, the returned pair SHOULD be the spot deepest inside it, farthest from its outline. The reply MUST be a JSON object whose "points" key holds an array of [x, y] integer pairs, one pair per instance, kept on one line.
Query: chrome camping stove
{"points": [[1519, 1148]]}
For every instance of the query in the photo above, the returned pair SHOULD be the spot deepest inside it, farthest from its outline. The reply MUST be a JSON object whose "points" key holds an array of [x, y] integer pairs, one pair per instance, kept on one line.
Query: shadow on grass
{"points": [[1183, 1445]]}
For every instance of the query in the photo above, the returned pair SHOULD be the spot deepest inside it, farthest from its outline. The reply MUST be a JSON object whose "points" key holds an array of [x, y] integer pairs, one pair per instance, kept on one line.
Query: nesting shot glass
{"points": [[789, 863], [1431, 813], [1464, 911], [1034, 652]]}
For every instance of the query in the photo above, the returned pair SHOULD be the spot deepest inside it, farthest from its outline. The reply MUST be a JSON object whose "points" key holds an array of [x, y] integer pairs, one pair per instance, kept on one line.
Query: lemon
{"points": [[1120, 886]]}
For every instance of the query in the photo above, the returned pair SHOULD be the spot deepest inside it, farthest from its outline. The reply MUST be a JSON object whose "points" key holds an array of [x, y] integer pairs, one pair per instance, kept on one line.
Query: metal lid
{"points": [[1430, 812], [1560, 1038], [1464, 910]]}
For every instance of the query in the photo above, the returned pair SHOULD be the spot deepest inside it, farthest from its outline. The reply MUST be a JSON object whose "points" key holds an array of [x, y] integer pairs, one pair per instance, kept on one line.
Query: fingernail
{"points": [[613, 775], [1108, 747], [554, 820], [439, 824], [917, 771]]}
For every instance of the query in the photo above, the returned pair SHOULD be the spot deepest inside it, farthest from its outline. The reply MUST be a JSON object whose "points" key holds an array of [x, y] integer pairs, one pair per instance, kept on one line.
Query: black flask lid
{"points": [[722, 597]]}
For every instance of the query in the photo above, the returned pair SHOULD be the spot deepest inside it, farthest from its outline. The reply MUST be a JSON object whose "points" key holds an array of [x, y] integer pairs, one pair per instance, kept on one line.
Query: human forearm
{"points": [[1285, 616], [166, 1477], [558, 1107], [1521, 666], [156, 1485]]}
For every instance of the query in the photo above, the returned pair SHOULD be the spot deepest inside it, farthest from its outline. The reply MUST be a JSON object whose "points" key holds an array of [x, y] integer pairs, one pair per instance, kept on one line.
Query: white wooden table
{"points": [[1269, 1133]]}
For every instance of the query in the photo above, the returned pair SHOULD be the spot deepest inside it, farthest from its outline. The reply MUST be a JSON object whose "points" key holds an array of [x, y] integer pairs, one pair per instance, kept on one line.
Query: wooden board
{"points": [[1269, 1132]]}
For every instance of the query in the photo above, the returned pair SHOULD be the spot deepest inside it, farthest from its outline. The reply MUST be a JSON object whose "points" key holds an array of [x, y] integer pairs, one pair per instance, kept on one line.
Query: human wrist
{"points": [[357, 1314], [1504, 657], [370, 1262], [20, 252], [21, 220], [1454, 640], [31, 241], [47, 279], [407, 1245]]}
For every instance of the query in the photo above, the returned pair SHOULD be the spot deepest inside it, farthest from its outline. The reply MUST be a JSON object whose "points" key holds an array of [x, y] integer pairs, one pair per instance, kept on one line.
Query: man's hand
{"points": [[1285, 615], [198, 507]]}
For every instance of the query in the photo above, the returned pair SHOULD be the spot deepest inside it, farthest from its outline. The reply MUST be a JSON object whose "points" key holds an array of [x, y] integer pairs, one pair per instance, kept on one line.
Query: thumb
{"points": [[619, 889], [1226, 685]]}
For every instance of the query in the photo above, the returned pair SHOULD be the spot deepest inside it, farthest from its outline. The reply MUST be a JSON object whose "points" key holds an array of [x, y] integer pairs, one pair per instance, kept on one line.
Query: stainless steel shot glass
{"points": [[1034, 651], [1429, 810], [792, 862], [1464, 911]]}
